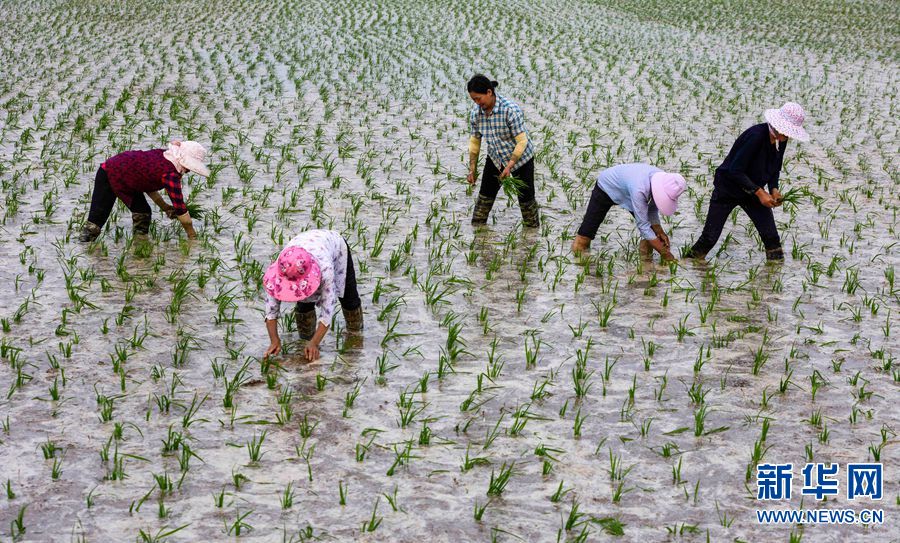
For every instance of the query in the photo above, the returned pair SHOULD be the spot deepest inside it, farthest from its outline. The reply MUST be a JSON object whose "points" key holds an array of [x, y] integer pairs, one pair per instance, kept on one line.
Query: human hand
{"points": [[506, 172], [669, 257], [170, 212], [779, 199], [188, 225], [765, 198], [663, 238], [311, 351], [274, 349], [471, 178]]}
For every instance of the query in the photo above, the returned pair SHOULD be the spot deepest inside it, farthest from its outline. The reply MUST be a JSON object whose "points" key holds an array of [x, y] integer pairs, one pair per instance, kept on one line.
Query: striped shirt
{"points": [[500, 128]]}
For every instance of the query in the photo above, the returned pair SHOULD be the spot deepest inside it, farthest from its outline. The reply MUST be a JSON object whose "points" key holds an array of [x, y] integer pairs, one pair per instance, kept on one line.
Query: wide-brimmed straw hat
{"points": [[788, 120], [189, 155], [294, 276], [666, 188]]}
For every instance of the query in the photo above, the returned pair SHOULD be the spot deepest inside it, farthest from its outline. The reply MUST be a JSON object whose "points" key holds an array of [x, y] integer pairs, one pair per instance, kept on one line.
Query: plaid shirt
{"points": [[172, 184], [500, 129]]}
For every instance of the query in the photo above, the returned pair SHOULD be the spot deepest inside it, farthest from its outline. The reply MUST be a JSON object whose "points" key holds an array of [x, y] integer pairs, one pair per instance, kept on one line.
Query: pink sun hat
{"points": [[294, 276], [788, 120], [666, 188]]}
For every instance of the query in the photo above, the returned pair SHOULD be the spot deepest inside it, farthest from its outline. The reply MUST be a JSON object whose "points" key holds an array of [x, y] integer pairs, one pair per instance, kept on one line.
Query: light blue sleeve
{"points": [[643, 216], [653, 215]]}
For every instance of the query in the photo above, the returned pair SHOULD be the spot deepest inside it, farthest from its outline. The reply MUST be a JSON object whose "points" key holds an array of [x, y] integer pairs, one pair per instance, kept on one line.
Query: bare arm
{"points": [[274, 340], [312, 347], [158, 200]]}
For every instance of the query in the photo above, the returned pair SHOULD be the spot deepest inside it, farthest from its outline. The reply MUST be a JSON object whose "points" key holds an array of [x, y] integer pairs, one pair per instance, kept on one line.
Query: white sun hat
{"points": [[788, 120], [189, 155]]}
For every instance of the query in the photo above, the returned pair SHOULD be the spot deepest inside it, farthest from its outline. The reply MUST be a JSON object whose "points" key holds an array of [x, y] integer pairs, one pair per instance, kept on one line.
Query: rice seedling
{"points": [[287, 496], [579, 421], [342, 493], [374, 521], [254, 447], [500, 480], [307, 427], [238, 526], [17, 527]]}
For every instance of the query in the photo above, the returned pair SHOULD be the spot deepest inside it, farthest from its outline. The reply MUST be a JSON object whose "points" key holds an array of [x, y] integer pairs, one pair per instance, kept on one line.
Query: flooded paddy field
{"points": [[503, 388]]}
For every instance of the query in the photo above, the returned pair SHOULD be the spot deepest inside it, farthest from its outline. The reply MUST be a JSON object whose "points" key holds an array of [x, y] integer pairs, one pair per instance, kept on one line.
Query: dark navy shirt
{"points": [[752, 163]]}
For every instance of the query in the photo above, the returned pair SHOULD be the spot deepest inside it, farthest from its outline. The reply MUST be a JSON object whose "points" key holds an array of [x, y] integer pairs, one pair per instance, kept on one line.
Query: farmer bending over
{"points": [[131, 174], [314, 269], [645, 191]]}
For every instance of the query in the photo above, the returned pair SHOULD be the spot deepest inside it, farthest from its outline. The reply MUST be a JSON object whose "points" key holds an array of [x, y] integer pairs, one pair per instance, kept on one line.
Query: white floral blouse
{"points": [[330, 251]]}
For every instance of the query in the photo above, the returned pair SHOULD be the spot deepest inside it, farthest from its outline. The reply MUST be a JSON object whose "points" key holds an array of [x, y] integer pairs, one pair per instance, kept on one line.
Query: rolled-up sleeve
{"points": [[328, 299], [273, 307]]}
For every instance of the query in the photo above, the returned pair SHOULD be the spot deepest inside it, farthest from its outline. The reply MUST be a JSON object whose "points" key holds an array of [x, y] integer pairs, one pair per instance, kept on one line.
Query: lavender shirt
{"points": [[330, 251], [629, 186]]}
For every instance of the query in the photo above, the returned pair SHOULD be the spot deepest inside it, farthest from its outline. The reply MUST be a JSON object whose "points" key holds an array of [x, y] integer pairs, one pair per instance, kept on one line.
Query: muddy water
{"points": [[374, 90]]}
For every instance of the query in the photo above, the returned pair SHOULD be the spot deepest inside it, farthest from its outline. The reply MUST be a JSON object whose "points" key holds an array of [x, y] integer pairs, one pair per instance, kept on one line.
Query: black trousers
{"points": [[351, 300], [598, 207], [721, 204], [103, 199], [490, 181]]}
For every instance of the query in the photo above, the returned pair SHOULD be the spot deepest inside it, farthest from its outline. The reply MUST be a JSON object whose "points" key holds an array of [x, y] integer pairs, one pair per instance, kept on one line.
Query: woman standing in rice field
{"points": [[129, 175], [754, 161], [315, 269], [510, 150]]}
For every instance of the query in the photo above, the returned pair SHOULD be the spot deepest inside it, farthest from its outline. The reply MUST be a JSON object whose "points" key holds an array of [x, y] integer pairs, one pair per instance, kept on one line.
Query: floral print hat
{"points": [[294, 276], [788, 120]]}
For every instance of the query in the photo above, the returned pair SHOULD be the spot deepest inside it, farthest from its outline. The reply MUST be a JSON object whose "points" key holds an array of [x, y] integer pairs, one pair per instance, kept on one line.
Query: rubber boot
{"points": [[353, 318], [531, 214], [306, 323], [775, 254], [89, 232], [483, 207], [141, 223], [581, 244], [693, 252]]}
